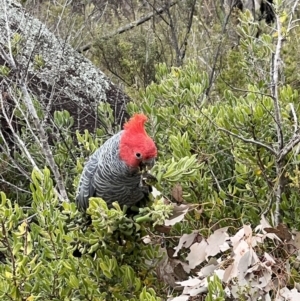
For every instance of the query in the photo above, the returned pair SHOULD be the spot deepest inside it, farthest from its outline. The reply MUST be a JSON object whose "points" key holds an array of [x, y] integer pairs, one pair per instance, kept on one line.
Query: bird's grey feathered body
{"points": [[105, 175]]}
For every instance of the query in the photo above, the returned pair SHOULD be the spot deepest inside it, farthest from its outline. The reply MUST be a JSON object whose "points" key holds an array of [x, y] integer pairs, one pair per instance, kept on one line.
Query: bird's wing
{"points": [[86, 188]]}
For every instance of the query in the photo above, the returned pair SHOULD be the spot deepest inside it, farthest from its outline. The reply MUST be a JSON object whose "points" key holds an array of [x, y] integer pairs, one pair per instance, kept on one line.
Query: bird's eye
{"points": [[138, 155]]}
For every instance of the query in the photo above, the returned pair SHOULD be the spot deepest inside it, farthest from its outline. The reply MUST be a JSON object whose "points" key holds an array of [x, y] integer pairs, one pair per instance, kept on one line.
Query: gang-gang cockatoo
{"points": [[114, 171]]}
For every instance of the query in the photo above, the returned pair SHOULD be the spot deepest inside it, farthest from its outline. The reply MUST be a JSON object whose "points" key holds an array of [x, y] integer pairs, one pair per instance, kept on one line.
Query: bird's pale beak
{"points": [[148, 164]]}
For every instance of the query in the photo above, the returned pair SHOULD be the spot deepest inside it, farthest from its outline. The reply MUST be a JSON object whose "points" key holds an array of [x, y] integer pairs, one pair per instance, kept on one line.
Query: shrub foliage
{"points": [[226, 223]]}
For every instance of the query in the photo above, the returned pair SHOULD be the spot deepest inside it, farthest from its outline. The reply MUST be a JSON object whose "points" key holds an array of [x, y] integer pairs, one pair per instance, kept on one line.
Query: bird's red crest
{"points": [[136, 142], [136, 124]]}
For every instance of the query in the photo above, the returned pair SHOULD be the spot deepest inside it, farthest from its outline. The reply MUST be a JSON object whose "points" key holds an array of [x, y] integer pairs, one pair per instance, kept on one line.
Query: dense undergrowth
{"points": [[226, 224]]}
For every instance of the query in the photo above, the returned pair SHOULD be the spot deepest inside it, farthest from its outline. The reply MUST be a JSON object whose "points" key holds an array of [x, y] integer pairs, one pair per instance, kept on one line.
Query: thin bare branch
{"points": [[25, 116], [218, 51], [44, 141], [276, 60], [157, 12], [174, 39], [188, 30], [9, 58], [289, 27], [282, 151], [16, 136], [14, 186], [27, 219], [215, 178], [129, 26], [288, 147], [45, 148], [14, 164], [295, 118], [244, 90], [251, 141]]}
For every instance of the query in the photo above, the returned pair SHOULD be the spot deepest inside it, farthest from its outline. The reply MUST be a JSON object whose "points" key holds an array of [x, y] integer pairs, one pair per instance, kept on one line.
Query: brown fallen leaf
{"points": [[170, 252], [170, 270], [281, 231], [177, 193], [179, 272], [163, 229]]}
